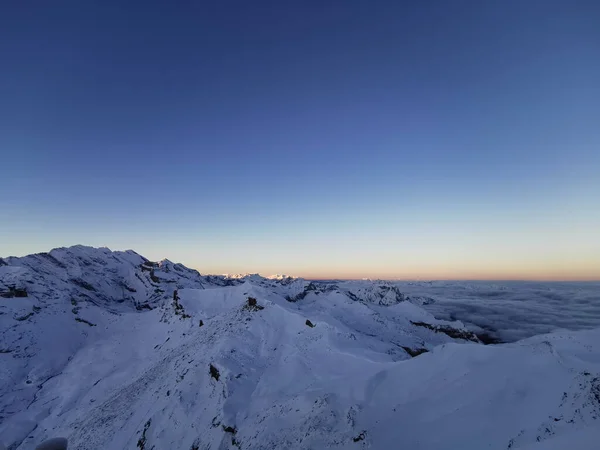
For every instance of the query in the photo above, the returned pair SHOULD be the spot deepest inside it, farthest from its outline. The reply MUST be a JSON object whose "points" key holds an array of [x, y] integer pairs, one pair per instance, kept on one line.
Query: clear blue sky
{"points": [[442, 139]]}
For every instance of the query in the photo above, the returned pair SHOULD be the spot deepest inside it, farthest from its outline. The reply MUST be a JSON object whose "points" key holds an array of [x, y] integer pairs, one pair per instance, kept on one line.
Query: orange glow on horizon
{"points": [[422, 274]]}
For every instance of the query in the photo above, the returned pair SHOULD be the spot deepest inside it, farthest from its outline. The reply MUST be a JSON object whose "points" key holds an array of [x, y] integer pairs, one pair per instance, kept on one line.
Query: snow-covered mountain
{"points": [[116, 281], [113, 351]]}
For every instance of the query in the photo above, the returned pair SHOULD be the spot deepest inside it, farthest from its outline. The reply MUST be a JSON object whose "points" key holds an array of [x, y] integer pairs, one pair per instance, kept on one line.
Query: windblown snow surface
{"points": [[116, 352]]}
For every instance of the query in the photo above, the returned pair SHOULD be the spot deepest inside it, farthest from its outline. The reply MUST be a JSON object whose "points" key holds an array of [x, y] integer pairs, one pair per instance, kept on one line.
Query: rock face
{"points": [[13, 291], [114, 280], [117, 281], [218, 362]]}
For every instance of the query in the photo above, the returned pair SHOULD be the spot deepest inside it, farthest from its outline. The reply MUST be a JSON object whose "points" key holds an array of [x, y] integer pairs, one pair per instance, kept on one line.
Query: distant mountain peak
{"points": [[278, 276]]}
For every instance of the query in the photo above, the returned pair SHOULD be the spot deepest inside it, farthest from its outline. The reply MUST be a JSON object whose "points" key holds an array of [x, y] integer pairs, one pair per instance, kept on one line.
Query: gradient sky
{"points": [[438, 139]]}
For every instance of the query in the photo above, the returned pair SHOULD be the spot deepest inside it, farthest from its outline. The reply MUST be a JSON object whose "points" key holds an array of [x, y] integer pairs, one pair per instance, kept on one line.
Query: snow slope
{"points": [[202, 368]]}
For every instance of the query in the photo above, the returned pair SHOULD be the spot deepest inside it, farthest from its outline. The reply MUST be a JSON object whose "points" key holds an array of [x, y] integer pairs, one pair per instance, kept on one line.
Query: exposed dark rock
{"points": [[595, 390], [129, 288], [228, 429], [352, 296], [424, 325], [83, 284], [360, 437], [153, 277], [141, 443], [52, 259], [214, 372], [252, 305], [144, 306], [309, 323], [415, 352], [449, 331], [201, 323], [79, 319], [14, 292], [150, 264], [20, 292], [178, 307], [488, 339], [25, 317]]}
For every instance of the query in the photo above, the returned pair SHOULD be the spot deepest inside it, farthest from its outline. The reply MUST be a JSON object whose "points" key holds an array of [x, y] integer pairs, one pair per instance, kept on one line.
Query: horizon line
{"points": [[550, 279]]}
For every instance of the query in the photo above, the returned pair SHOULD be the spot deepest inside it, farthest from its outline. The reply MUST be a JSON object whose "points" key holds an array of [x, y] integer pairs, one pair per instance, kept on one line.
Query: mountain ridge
{"points": [[94, 353]]}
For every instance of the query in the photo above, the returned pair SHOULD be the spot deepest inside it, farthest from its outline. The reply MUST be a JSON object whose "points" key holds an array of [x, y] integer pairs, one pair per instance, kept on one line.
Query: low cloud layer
{"points": [[514, 310]]}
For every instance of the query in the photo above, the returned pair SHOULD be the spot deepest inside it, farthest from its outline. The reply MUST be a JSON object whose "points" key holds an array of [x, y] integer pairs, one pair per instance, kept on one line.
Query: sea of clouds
{"points": [[513, 310]]}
